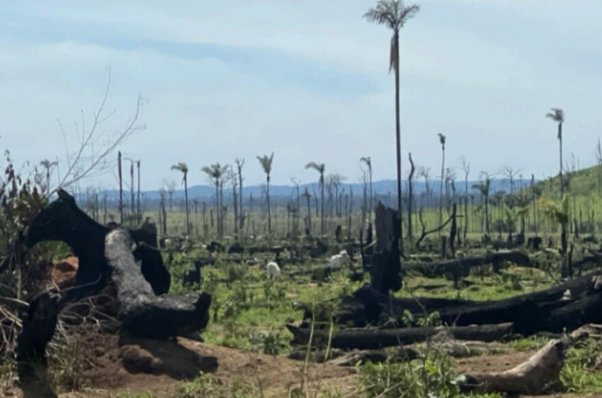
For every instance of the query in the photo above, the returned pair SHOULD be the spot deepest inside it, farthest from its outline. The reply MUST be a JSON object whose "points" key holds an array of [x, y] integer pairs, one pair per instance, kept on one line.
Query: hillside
{"points": [[380, 187]]}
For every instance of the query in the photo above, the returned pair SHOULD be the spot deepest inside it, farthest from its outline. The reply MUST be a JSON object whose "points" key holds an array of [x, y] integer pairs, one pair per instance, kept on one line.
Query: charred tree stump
{"points": [[39, 325], [385, 272]]}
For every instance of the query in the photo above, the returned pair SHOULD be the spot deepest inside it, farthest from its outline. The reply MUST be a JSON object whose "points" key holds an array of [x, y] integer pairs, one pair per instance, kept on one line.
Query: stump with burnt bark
{"points": [[385, 272]]}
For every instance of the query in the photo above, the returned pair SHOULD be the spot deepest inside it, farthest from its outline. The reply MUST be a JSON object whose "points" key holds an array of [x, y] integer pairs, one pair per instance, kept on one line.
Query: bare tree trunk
{"points": [[349, 213], [139, 212], [186, 201], [268, 204], [120, 187], [398, 141], [410, 195]]}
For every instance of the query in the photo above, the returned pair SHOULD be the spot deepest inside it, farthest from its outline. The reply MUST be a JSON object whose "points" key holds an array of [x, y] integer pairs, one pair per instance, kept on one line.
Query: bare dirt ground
{"points": [[275, 376]]}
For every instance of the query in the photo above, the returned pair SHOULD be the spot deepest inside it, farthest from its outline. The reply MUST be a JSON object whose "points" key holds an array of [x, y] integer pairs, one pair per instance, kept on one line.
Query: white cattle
{"points": [[273, 270], [339, 260]]}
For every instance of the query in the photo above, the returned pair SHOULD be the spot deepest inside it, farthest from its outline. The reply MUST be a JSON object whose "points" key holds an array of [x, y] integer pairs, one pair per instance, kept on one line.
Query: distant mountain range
{"points": [[381, 187]]}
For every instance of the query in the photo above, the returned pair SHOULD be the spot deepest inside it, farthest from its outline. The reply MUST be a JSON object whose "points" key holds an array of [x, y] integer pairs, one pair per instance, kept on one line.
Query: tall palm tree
{"points": [[266, 165], [442, 142], [183, 167], [557, 115], [320, 168], [394, 14], [368, 162], [216, 172]]}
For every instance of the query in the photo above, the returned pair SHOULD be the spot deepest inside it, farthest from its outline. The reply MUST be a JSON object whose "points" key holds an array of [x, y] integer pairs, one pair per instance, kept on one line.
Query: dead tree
{"points": [[385, 271], [410, 194]]}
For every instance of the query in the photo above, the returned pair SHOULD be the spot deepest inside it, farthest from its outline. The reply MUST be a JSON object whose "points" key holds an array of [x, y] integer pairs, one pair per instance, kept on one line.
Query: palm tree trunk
{"points": [[322, 204], [371, 194], [132, 204], [398, 142], [560, 146], [410, 195], [487, 214], [120, 188], [441, 187], [465, 208], [268, 203], [186, 202], [217, 206], [138, 204]]}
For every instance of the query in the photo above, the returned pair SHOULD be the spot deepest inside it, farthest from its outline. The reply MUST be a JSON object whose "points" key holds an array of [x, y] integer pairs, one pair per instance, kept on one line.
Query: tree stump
{"points": [[385, 272]]}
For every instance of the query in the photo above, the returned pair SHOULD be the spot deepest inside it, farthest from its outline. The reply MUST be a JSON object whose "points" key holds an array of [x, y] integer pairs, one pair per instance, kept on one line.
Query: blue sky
{"points": [[308, 80]]}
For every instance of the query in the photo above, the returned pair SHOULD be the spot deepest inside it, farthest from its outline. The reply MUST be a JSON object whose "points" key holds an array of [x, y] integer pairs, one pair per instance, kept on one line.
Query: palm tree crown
{"points": [[215, 171], [393, 14], [557, 115], [181, 166], [266, 163]]}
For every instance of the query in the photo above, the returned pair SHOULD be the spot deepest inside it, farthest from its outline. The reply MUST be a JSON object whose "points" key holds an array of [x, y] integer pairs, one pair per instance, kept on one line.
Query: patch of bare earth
{"points": [[160, 366]]}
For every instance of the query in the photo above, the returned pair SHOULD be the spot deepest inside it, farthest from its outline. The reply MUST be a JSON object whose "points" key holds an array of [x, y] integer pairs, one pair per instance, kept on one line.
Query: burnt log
{"points": [[152, 267], [39, 324], [368, 307], [142, 313], [547, 310], [62, 220], [461, 266], [370, 339]]}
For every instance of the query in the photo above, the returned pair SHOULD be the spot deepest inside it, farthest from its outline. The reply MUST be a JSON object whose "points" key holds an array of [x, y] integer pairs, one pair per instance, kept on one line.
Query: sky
{"points": [[307, 80]]}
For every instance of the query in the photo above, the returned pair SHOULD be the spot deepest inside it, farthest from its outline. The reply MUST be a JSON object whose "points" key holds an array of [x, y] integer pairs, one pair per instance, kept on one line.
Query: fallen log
{"points": [[462, 266], [545, 310], [366, 306], [534, 375], [450, 347], [142, 313], [367, 339]]}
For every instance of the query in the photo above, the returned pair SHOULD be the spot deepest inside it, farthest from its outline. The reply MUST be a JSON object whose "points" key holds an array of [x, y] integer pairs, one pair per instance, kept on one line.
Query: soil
{"points": [[181, 360]]}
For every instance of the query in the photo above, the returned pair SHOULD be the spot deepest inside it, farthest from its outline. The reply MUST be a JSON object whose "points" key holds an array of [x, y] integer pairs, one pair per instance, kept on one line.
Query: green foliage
{"points": [[129, 394], [577, 375], [274, 291], [528, 344], [554, 211], [430, 376], [202, 386]]}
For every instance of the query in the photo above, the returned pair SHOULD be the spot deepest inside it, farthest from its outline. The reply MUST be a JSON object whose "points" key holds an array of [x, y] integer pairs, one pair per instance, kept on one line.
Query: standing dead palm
{"points": [[266, 165], [442, 142], [216, 172], [320, 168], [368, 162], [183, 168], [394, 14], [557, 115]]}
